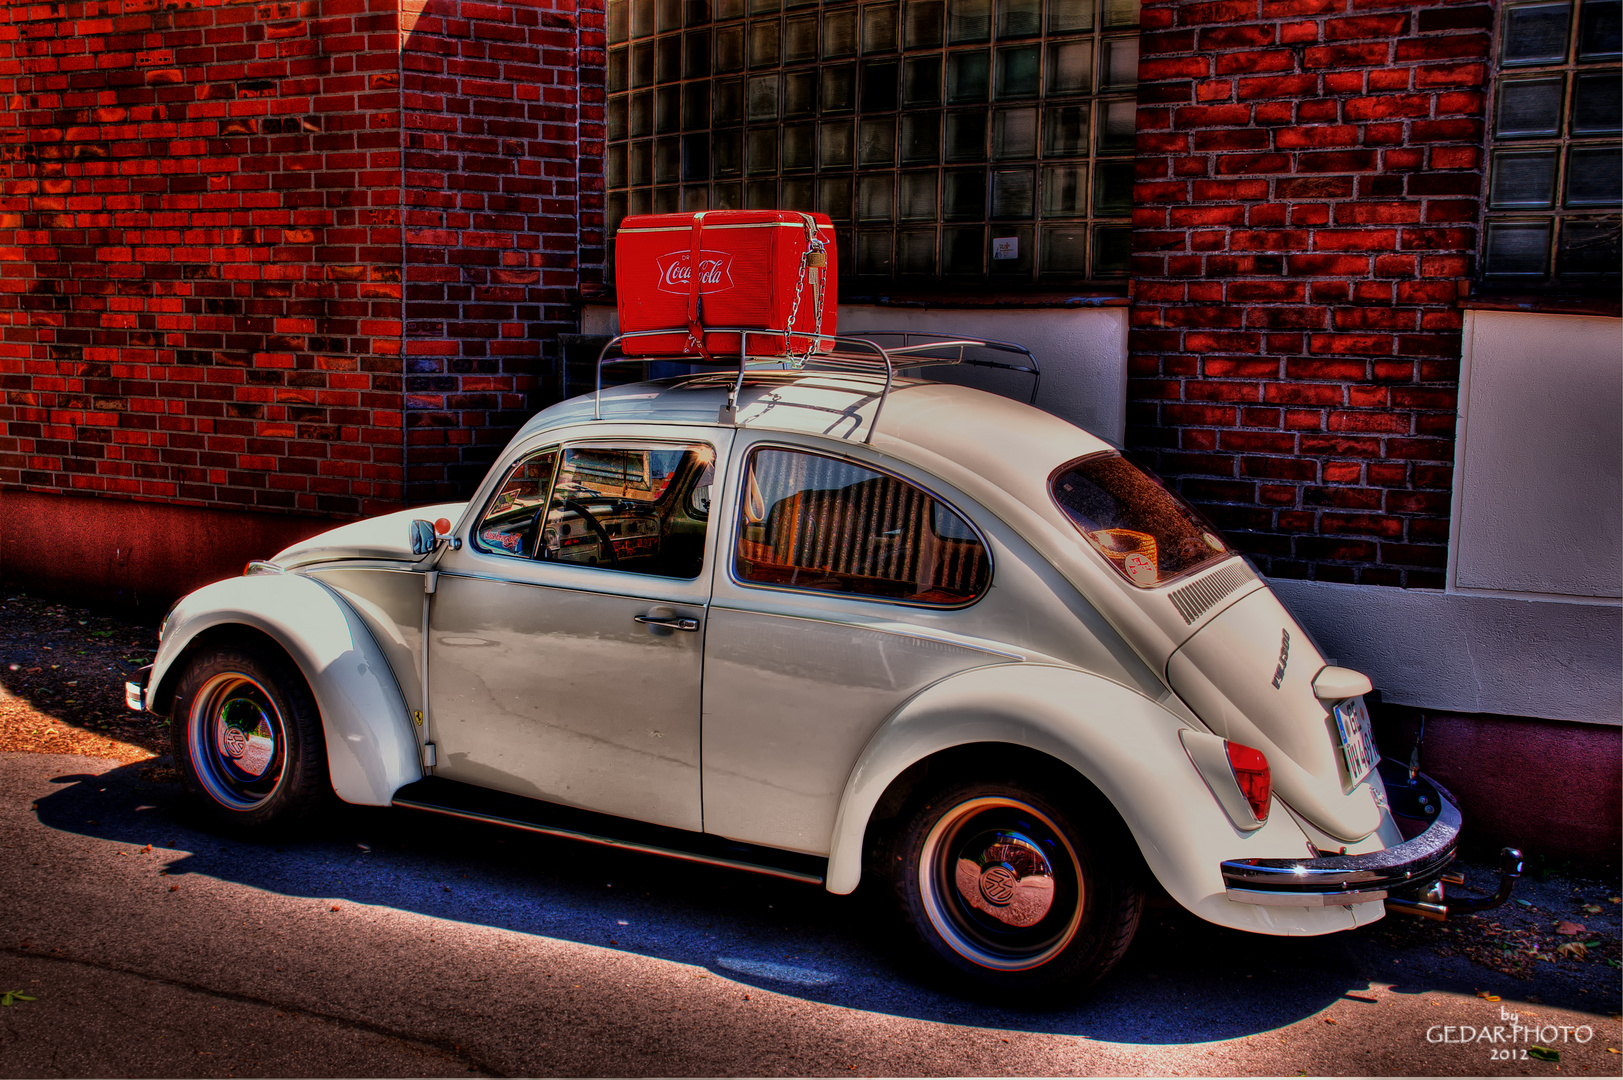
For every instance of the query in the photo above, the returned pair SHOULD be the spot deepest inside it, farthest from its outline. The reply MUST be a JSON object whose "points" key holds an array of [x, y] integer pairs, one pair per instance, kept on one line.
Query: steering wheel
{"points": [[596, 526]]}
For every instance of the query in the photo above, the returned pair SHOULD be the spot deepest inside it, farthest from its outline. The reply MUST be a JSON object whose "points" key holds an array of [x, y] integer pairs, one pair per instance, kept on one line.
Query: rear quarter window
{"points": [[826, 525]]}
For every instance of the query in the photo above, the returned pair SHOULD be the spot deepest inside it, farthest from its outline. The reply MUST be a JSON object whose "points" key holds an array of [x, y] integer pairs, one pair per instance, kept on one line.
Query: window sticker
{"points": [[508, 541]]}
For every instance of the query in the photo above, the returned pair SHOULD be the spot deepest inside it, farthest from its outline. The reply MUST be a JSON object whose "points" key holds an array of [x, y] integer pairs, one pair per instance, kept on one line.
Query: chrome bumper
{"points": [[135, 690], [1333, 880]]}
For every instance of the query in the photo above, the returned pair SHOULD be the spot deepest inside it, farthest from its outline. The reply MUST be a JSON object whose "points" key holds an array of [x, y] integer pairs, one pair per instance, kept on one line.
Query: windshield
{"points": [[1149, 534]]}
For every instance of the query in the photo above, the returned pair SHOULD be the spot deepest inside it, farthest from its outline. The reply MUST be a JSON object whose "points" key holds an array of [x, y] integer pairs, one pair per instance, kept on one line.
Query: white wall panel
{"points": [[1082, 352], [1539, 456]]}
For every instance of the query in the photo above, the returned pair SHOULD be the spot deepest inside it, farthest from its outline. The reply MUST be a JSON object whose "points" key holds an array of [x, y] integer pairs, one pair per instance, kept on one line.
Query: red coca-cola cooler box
{"points": [[767, 271]]}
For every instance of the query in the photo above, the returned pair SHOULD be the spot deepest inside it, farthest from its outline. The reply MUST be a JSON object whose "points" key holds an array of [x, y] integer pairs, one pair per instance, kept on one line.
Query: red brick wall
{"points": [[1305, 211], [199, 250], [497, 97]]}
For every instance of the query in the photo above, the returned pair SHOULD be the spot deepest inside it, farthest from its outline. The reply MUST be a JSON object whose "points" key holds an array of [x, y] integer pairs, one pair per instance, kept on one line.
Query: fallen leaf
{"points": [[1593, 909], [174, 888], [1485, 996], [335, 907], [1567, 929], [1328, 1020], [1574, 949], [12, 996], [1543, 1053]]}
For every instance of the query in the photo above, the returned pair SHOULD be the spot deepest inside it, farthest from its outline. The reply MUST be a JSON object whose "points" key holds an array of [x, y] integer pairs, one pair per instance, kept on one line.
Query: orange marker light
{"points": [[442, 526]]}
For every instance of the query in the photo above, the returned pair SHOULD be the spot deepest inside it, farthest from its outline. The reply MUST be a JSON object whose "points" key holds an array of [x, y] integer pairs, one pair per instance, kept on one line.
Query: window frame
{"points": [[1557, 215], [1105, 232], [747, 463]]}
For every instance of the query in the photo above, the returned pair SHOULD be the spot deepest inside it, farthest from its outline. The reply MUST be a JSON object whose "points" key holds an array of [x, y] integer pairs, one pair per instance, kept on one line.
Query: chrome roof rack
{"points": [[865, 352]]}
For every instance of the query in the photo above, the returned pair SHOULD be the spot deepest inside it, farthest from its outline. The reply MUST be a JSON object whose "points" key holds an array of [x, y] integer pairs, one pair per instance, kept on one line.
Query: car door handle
{"points": [[673, 623]]}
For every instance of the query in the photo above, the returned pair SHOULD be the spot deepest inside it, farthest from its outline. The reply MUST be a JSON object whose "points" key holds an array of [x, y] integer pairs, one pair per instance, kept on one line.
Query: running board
{"points": [[436, 795]]}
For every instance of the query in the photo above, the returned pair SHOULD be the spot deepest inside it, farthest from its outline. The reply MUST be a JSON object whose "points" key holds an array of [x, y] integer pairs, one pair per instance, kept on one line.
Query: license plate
{"points": [[1357, 739]]}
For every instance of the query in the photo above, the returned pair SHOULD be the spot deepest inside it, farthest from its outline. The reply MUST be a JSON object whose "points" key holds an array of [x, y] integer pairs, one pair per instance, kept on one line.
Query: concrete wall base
{"points": [[137, 556], [1551, 788]]}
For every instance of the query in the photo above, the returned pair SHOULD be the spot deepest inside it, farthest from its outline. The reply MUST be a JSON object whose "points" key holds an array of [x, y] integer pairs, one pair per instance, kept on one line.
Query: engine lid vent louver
{"points": [[1196, 598]]}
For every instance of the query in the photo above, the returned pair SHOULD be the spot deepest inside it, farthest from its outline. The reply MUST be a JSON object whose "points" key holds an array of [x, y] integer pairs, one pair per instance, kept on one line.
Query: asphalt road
{"points": [[400, 944]]}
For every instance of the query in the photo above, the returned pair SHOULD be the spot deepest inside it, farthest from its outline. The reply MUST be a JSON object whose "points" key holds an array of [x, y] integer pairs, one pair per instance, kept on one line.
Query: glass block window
{"points": [[1555, 147], [949, 140]]}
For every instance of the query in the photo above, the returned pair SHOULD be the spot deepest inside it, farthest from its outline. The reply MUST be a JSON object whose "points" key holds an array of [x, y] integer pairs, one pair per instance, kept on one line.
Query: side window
{"points": [[818, 523], [511, 521], [642, 508]]}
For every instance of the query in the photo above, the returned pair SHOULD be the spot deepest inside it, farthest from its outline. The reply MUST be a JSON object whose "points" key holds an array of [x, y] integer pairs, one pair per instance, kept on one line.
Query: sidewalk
{"points": [[62, 672]]}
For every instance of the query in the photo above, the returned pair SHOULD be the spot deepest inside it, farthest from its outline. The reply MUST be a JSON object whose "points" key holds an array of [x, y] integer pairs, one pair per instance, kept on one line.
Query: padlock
{"points": [[817, 257]]}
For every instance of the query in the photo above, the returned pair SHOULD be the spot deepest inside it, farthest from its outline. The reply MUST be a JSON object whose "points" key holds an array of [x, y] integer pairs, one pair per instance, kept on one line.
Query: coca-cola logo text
{"points": [[676, 272]]}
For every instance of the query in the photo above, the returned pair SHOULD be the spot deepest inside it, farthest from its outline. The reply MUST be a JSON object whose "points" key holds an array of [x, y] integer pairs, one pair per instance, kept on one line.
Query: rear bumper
{"points": [[1358, 879]]}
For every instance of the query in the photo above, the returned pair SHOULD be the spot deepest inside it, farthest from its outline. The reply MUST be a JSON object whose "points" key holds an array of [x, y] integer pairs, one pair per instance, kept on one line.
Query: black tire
{"points": [[1015, 893], [247, 739]]}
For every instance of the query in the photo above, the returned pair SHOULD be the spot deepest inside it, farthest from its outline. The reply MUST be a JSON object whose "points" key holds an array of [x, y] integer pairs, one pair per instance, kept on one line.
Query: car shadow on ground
{"points": [[1184, 981]]}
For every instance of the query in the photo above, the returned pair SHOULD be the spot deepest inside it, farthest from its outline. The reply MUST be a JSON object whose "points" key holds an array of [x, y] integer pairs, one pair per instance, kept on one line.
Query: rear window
{"points": [[1146, 532]]}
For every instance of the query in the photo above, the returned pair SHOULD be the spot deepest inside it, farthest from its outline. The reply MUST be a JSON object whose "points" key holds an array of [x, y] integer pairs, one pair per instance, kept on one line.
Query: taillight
{"points": [[1251, 773]]}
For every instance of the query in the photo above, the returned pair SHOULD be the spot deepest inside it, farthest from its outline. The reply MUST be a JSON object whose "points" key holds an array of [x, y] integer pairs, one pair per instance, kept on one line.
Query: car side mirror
{"points": [[425, 537], [422, 537]]}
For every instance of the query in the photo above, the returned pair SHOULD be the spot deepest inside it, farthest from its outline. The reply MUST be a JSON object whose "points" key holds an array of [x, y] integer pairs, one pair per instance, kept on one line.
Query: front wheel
{"points": [[1012, 891], [247, 738]]}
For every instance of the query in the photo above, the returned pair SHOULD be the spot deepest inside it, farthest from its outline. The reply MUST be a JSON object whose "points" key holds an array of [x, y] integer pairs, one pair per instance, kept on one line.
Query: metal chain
{"points": [[814, 243], [794, 312]]}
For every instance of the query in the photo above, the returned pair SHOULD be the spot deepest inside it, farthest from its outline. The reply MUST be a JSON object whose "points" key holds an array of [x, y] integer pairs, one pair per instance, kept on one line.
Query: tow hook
{"points": [[1430, 902]]}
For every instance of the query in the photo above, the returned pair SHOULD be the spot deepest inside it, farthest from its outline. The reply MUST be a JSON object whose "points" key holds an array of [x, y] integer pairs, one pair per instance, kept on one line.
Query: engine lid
{"points": [[1249, 675]]}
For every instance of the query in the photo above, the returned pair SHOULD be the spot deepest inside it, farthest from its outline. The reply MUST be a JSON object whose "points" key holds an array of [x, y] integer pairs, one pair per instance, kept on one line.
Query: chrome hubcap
{"points": [[1006, 875], [1001, 884], [237, 741]]}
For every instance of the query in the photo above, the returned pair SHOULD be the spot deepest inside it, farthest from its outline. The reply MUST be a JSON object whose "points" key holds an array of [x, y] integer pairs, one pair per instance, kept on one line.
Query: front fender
{"points": [[1124, 743], [371, 743]]}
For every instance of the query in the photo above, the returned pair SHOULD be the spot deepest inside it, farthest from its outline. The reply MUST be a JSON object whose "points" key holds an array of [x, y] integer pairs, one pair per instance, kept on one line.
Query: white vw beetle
{"points": [[825, 622]]}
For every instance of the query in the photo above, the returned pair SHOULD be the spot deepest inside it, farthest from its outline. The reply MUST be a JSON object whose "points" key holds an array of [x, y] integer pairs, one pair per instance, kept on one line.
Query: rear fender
{"points": [[371, 742], [1122, 742]]}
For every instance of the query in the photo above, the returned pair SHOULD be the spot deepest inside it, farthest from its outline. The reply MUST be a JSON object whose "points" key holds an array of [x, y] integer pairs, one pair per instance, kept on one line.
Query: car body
{"points": [[825, 621]]}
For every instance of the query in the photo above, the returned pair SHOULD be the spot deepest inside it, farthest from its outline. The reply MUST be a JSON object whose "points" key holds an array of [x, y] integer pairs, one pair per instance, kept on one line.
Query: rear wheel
{"points": [[1004, 886], [247, 738]]}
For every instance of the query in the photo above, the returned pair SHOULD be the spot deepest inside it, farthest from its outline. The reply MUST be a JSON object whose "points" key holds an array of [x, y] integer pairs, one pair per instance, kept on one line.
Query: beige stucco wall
{"points": [[1082, 351]]}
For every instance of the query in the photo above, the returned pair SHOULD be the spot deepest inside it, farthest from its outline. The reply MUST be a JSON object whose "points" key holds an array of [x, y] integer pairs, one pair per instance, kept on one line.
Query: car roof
{"points": [[982, 431]]}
